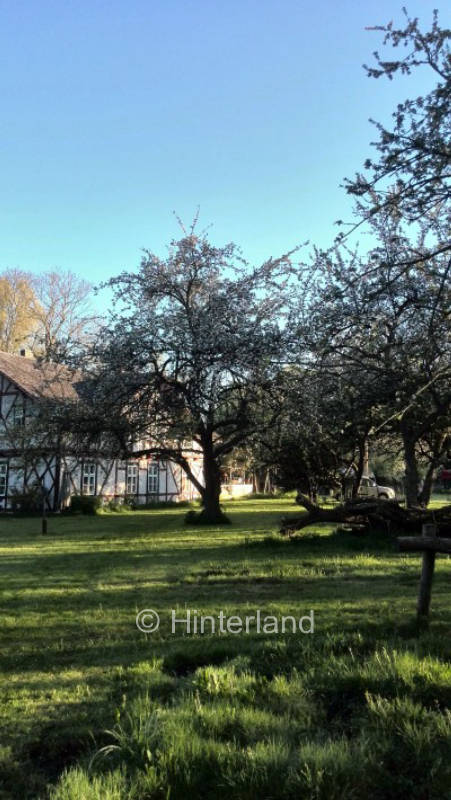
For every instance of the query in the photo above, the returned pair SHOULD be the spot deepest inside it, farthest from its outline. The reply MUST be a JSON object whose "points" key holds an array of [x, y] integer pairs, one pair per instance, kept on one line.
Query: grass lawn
{"points": [[357, 709]]}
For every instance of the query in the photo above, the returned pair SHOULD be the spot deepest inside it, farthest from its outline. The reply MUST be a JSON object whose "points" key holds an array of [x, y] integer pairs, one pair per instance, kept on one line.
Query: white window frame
{"points": [[153, 477], [3, 478], [88, 478], [132, 479]]}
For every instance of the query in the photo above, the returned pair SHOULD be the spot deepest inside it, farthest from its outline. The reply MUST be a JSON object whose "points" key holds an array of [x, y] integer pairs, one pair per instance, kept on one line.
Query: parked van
{"points": [[369, 488]]}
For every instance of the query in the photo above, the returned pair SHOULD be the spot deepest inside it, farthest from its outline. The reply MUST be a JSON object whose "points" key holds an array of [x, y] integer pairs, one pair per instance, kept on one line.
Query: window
{"points": [[17, 413], [3, 477], [152, 478], [89, 479], [132, 478]]}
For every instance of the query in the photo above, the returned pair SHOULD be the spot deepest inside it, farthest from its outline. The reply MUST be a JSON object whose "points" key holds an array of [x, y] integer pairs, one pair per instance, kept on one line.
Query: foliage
{"points": [[165, 504], [191, 350], [116, 507], [380, 323], [48, 314], [382, 334], [410, 176], [264, 495], [17, 304], [85, 504], [26, 502]]}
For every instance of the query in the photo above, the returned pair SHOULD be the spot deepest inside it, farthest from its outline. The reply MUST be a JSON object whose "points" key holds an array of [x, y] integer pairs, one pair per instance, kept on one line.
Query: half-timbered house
{"points": [[24, 383]]}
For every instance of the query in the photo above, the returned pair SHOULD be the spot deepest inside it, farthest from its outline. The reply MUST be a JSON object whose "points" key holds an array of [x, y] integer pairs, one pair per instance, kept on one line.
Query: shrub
{"points": [[85, 504], [119, 505], [265, 495], [28, 502], [165, 504]]}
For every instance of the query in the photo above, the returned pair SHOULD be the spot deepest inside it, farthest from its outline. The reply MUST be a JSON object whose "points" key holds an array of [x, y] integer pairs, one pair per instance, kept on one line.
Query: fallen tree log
{"points": [[373, 514]]}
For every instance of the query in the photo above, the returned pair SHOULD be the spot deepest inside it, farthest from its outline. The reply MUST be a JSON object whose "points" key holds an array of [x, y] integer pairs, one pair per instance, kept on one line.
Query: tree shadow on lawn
{"points": [[98, 558], [82, 588], [181, 564], [164, 523], [79, 639]]}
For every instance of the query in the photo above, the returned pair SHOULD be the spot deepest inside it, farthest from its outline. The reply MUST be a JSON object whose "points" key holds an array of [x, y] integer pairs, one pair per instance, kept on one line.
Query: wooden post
{"points": [[427, 573], [44, 510]]}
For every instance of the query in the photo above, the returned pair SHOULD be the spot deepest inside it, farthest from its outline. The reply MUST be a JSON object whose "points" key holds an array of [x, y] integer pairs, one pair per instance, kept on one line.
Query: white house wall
{"points": [[66, 474], [110, 480]]}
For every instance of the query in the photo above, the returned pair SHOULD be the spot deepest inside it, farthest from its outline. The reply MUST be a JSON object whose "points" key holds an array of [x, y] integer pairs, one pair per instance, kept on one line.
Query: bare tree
{"points": [[62, 312]]}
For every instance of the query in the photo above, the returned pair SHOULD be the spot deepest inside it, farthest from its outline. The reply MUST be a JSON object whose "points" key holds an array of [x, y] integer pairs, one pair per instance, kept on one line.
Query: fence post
{"points": [[44, 511]]}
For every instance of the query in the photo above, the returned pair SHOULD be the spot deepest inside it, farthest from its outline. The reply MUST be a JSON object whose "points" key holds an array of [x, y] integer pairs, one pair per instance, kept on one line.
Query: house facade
{"points": [[24, 382]]}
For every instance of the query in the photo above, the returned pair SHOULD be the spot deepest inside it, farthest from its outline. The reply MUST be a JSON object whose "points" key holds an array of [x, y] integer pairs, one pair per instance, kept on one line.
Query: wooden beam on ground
{"points": [[418, 544]]}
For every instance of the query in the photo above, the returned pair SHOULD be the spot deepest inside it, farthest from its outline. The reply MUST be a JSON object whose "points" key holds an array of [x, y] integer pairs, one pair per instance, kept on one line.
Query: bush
{"points": [[85, 504], [278, 493], [28, 502], [120, 505], [165, 504]]}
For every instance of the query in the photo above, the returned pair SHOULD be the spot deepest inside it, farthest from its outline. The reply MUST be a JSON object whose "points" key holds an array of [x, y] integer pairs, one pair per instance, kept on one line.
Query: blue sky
{"points": [[114, 114]]}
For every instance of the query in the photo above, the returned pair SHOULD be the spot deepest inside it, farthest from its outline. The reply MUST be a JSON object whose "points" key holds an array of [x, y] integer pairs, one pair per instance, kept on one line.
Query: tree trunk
{"points": [[313, 492], [425, 494], [412, 479], [362, 467], [259, 477], [437, 453], [56, 491], [212, 485], [267, 487]]}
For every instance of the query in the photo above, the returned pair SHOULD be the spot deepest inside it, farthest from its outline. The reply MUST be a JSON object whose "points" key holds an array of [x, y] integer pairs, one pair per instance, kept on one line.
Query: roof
{"points": [[39, 379]]}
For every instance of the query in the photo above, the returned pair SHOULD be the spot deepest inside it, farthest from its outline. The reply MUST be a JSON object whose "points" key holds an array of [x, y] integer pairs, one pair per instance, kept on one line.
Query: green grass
{"points": [[93, 708]]}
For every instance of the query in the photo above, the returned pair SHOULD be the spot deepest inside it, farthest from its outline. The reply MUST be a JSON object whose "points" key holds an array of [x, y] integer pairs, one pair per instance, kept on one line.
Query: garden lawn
{"points": [[356, 709]]}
